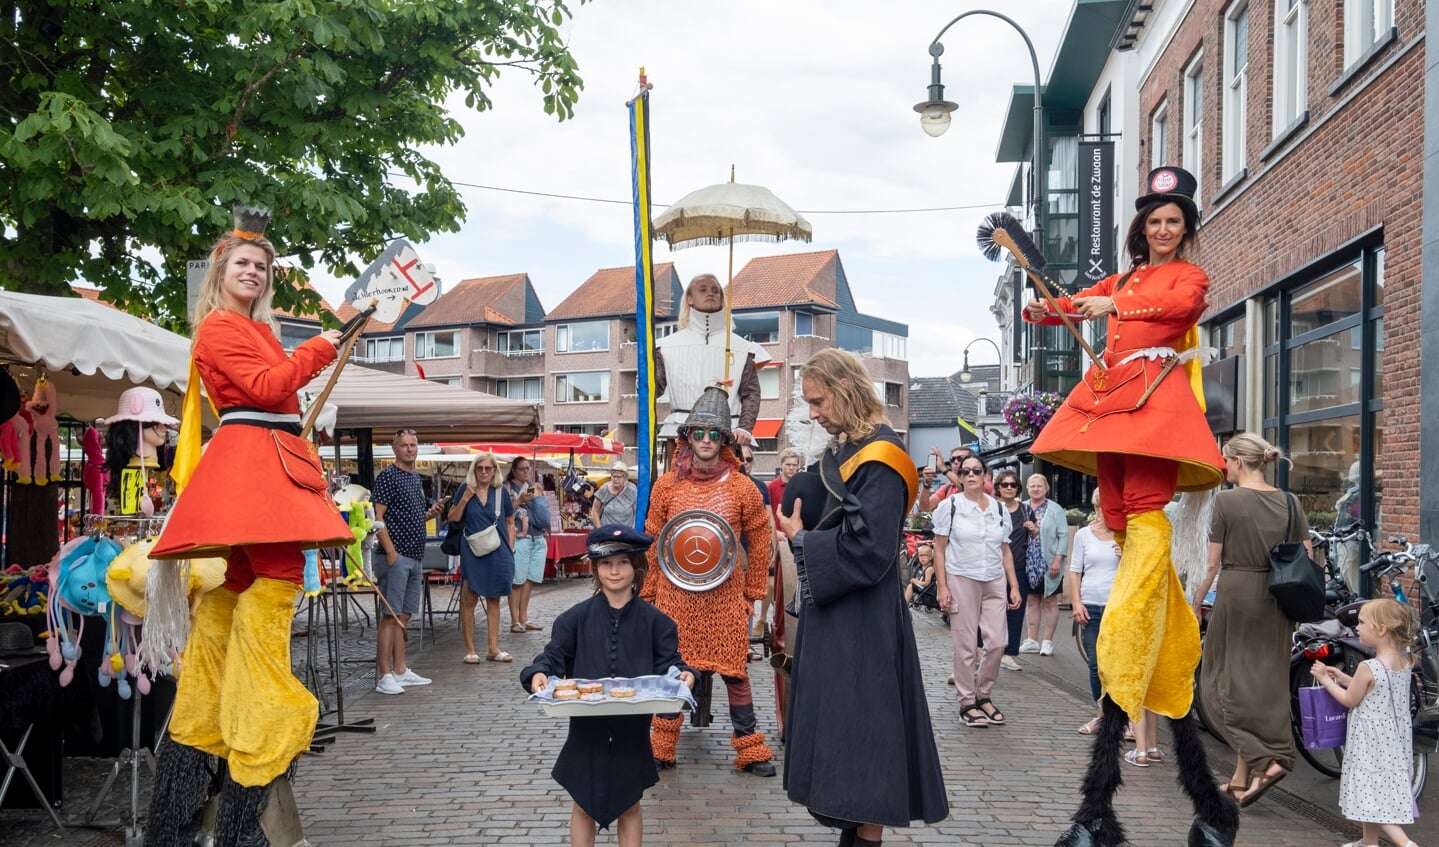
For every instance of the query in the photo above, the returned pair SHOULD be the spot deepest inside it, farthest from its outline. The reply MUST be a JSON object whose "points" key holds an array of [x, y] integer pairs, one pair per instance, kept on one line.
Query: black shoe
{"points": [[663, 765], [760, 768], [1095, 833]]}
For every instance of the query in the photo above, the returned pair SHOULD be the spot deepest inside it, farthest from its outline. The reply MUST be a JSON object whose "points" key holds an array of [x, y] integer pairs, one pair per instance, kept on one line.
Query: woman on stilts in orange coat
{"points": [[259, 498], [1138, 424]]}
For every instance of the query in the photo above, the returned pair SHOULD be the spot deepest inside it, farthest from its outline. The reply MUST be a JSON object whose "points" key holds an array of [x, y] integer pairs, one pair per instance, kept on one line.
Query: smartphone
{"points": [[933, 462]]}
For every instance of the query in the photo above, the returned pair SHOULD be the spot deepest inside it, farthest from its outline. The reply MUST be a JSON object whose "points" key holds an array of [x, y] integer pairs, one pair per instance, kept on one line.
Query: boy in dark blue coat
{"points": [[606, 763]]}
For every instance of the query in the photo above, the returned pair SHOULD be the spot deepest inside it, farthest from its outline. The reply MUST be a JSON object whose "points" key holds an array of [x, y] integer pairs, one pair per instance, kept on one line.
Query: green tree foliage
{"points": [[129, 128]]}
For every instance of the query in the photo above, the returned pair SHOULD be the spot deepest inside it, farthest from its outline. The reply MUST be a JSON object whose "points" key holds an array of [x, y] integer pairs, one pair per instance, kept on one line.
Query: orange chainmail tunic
{"points": [[713, 625]]}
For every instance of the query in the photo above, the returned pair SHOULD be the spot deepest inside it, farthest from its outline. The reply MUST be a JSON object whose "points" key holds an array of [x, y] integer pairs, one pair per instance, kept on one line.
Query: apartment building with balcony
{"points": [[592, 353], [485, 334]]}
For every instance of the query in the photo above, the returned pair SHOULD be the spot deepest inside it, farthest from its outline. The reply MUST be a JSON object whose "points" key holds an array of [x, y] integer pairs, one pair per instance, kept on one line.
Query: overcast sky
{"points": [[812, 100]]}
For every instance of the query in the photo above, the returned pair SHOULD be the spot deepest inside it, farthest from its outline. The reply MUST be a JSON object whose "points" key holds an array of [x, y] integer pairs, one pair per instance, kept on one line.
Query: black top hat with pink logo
{"points": [[1171, 185]]}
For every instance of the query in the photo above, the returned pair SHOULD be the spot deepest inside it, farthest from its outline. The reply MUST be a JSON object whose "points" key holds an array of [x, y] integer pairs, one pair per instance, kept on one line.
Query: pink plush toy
{"points": [[43, 466], [93, 475], [12, 432]]}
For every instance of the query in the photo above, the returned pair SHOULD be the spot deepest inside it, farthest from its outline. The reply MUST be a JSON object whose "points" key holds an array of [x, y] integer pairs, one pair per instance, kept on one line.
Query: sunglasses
{"points": [[747, 460], [971, 471], [1009, 485], [698, 435], [956, 458], [400, 432]]}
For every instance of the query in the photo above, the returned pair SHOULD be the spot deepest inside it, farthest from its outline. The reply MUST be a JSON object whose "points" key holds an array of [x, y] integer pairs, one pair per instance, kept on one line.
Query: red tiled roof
{"points": [[471, 302], [788, 280], [324, 306], [91, 294], [609, 292]]}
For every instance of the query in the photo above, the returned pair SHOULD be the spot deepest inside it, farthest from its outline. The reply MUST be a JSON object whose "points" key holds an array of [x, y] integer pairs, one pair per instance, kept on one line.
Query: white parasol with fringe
{"points": [[723, 214]]}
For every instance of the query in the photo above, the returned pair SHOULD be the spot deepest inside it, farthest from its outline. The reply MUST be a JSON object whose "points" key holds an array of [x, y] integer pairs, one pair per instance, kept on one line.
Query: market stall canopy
{"points": [[549, 444], [90, 351], [385, 402]]}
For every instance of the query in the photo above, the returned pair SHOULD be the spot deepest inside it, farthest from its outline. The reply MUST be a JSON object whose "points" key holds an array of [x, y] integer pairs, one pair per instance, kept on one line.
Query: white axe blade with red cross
{"points": [[392, 282]]}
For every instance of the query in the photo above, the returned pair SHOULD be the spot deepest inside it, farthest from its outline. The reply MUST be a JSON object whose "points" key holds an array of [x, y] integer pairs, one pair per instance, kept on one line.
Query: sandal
{"points": [[1154, 754], [472, 658], [531, 626], [1137, 758], [1260, 787], [972, 715], [992, 714], [1089, 728], [518, 628], [501, 656]]}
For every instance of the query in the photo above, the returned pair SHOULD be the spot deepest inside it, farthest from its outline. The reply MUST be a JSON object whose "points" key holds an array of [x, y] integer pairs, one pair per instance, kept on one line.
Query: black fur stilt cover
{"points": [[239, 821], [1216, 815], [183, 782]]}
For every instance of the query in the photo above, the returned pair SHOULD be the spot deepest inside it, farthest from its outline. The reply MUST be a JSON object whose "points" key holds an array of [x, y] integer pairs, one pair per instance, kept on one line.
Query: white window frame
{"points": [[1159, 135], [509, 350], [390, 342], [562, 379], [768, 383], [1235, 120], [563, 332], [1365, 22], [1192, 109], [1291, 62], [424, 345], [504, 387]]}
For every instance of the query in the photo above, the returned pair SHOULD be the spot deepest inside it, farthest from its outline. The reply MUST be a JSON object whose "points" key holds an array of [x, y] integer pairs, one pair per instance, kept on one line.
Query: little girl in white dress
{"points": [[1375, 787]]}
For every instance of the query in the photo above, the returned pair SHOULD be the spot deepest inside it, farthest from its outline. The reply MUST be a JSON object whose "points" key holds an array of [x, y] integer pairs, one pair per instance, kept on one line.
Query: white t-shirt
{"points": [[1098, 562], [975, 535]]}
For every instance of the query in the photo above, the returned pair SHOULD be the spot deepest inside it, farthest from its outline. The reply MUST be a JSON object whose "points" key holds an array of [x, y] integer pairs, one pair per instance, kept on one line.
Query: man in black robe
{"points": [[855, 673]]}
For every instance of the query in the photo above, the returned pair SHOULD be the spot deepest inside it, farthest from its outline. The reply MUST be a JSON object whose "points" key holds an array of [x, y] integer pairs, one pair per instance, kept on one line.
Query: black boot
{"points": [[1216, 815], [1095, 824], [184, 779]]}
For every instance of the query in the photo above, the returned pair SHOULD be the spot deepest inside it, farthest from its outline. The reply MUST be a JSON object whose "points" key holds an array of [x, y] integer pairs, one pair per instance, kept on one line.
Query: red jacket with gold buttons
{"points": [[1156, 310], [253, 485]]}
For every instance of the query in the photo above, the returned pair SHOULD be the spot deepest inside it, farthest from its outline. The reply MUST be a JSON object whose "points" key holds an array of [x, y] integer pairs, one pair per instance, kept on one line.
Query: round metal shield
{"points": [[697, 550]]}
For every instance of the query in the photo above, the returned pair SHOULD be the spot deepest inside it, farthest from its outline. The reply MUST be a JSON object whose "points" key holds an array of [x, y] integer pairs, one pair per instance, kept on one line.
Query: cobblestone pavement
{"points": [[466, 761]]}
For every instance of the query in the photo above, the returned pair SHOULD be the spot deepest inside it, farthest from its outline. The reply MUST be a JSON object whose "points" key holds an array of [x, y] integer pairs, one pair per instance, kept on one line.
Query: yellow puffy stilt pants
{"points": [[237, 696], [197, 692], [1149, 639]]}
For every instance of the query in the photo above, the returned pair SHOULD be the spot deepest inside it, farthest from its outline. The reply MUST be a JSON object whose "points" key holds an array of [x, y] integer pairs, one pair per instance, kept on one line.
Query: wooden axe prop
{"points": [[1002, 230]]}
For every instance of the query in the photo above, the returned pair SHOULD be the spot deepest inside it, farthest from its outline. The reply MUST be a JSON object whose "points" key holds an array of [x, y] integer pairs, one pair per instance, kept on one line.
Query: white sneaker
{"points": [[409, 678], [1046, 648], [1009, 664], [1029, 645], [389, 684]]}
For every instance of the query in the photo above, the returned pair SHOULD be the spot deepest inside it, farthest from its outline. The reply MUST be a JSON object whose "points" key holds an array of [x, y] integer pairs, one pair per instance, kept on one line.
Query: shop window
{"points": [[1326, 371], [1326, 301]]}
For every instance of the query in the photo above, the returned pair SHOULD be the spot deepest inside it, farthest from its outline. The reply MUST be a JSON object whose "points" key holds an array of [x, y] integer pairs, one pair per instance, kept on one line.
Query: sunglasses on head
{"points": [[698, 435], [971, 471], [400, 432]]}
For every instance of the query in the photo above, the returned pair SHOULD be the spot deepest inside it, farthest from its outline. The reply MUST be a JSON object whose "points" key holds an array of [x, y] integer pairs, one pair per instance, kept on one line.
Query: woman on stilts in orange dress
{"points": [[258, 498], [1137, 423]]}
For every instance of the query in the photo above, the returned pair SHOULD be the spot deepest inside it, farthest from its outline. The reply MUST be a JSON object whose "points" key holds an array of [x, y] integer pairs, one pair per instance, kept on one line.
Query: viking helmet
{"points": [[711, 411]]}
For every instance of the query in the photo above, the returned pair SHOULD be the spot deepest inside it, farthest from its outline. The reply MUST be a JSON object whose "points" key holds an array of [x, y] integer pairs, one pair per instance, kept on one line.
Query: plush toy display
{"points": [[93, 474], [23, 592], [12, 432], [40, 459]]}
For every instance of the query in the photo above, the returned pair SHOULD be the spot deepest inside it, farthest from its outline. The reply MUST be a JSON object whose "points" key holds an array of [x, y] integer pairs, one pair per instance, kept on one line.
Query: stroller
{"points": [[927, 598]]}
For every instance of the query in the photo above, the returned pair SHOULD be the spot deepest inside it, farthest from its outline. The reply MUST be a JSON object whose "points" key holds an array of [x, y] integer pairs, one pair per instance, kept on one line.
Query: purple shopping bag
{"points": [[1324, 721]]}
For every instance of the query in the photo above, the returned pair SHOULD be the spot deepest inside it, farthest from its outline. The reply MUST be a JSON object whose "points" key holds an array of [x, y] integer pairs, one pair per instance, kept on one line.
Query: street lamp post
{"points": [[934, 113], [965, 375]]}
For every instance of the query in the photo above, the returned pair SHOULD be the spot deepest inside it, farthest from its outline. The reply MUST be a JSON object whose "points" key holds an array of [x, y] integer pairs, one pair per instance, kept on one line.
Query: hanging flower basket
{"points": [[1027, 414]]}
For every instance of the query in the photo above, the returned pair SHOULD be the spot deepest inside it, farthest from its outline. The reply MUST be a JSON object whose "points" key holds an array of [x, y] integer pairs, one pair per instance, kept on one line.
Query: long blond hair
{"points": [[857, 407], [472, 482], [684, 318], [212, 297]]}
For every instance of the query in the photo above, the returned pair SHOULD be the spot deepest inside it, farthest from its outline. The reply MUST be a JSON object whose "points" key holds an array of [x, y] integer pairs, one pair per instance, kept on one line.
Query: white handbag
{"points": [[487, 540]]}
